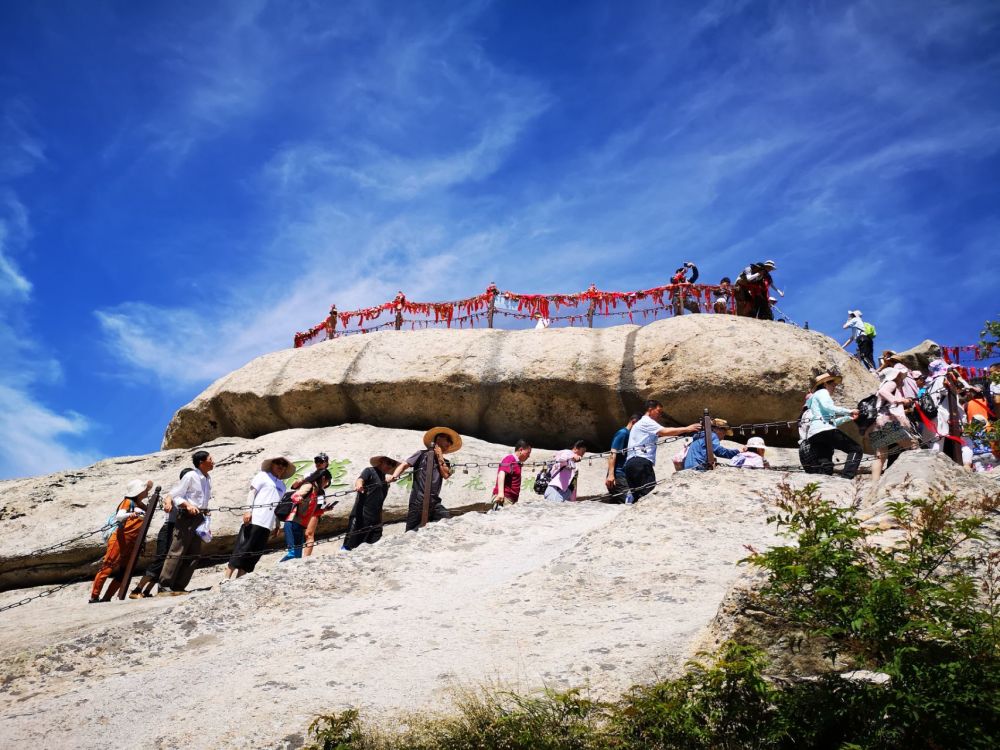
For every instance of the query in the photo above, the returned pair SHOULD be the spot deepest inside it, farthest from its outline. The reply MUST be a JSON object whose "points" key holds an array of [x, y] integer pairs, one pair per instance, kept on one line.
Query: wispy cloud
{"points": [[36, 438], [429, 161]]}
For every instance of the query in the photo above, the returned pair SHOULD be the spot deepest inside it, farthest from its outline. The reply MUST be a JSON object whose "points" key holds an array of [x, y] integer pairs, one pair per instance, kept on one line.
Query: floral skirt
{"points": [[891, 433]]}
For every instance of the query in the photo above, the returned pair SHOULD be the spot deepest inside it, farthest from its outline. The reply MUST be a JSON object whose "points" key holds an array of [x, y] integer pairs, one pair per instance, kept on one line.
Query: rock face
{"points": [[41, 511], [538, 594], [919, 356], [549, 386]]}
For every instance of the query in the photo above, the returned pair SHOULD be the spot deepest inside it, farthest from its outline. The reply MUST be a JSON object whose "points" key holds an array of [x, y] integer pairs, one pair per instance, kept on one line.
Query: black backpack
{"points": [[542, 480], [867, 412], [285, 506], [928, 405]]}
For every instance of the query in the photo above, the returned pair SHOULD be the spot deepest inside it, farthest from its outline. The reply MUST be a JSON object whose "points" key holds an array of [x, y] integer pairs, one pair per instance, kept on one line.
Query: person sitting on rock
{"points": [[438, 441], [822, 434], [364, 525], [128, 522], [640, 462], [723, 294], [144, 588], [266, 490], [563, 473], [697, 455], [752, 457], [507, 488]]}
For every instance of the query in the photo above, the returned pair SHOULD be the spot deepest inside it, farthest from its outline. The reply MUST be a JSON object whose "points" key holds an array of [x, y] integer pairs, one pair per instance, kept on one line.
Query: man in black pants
{"points": [[152, 575], [641, 454]]}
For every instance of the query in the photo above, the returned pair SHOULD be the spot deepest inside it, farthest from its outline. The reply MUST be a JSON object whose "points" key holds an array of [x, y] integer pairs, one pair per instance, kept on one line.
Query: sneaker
{"points": [[166, 591], [135, 595]]}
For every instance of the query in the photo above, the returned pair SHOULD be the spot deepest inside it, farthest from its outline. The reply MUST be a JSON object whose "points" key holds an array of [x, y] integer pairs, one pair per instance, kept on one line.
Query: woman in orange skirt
{"points": [[122, 541]]}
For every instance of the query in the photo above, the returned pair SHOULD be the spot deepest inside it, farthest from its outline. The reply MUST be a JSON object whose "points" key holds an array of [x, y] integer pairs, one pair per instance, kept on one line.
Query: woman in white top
{"points": [[889, 429]]}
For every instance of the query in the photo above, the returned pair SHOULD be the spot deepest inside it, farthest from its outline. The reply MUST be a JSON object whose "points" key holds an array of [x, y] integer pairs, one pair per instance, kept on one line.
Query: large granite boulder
{"points": [[549, 386]]}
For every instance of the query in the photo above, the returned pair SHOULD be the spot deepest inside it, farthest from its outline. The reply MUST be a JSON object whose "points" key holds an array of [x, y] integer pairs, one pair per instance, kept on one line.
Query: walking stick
{"points": [[706, 425], [130, 566], [425, 514], [953, 445]]}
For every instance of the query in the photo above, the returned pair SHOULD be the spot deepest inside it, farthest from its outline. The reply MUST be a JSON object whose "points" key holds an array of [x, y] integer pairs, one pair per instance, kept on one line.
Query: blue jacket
{"points": [[697, 457]]}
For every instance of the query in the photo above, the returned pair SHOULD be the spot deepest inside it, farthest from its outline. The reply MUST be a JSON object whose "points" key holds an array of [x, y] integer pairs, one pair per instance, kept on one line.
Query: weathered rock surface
{"points": [[538, 594], [919, 356], [549, 386], [41, 511]]}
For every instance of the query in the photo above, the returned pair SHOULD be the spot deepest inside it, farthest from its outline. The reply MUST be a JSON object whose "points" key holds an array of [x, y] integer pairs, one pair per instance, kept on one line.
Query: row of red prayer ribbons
{"points": [[971, 353], [516, 305]]}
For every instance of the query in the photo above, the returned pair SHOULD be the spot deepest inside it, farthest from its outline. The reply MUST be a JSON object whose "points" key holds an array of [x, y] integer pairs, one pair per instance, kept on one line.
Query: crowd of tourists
{"points": [[749, 297], [936, 409], [931, 409]]}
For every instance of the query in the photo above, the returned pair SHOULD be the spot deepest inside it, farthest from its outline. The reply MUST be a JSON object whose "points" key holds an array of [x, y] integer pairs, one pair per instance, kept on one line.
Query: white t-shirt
{"points": [[642, 439], [266, 491]]}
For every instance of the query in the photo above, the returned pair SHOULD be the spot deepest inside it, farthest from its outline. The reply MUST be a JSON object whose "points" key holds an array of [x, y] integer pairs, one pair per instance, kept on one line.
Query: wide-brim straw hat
{"points": [[433, 432], [134, 488], [267, 465], [827, 377], [721, 424], [377, 461]]}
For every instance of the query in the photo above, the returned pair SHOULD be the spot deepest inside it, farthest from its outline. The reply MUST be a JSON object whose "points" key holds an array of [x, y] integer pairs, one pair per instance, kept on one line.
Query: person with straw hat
{"points": [[697, 455], [128, 522], [822, 434], [364, 525], [438, 441], [259, 523]]}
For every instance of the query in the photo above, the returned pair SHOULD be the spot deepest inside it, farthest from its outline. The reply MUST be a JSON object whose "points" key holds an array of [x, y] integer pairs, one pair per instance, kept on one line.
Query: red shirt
{"points": [[512, 478], [307, 508]]}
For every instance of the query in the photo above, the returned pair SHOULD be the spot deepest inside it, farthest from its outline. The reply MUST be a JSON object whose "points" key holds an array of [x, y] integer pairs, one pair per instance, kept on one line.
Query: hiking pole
{"points": [[425, 514], [706, 425], [130, 566], [953, 445]]}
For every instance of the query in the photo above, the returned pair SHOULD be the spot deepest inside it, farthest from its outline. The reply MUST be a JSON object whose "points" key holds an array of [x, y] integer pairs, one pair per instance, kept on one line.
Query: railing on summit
{"points": [[583, 307]]}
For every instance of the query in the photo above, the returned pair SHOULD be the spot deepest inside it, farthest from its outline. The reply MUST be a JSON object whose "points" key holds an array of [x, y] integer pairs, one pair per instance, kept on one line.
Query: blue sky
{"points": [[183, 185]]}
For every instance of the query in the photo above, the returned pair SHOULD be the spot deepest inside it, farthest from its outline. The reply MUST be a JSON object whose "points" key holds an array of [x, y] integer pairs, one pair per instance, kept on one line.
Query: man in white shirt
{"points": [[266, 490], [191, 498], [641, 454], [859, 335]]}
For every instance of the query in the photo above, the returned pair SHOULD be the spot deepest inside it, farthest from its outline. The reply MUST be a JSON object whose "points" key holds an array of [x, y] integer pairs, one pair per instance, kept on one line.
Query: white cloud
{"points": [[34, 437]]}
